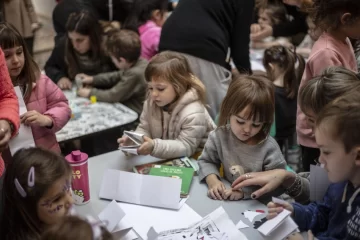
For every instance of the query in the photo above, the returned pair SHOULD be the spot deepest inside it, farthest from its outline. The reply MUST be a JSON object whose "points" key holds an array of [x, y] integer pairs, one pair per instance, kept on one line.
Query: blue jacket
{"points": [[337, 217]]}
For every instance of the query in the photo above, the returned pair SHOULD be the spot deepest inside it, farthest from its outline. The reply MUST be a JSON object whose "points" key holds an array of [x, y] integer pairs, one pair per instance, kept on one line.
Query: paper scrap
{"points": [[250, 215], [271, 224], [241, 225], [111, 215], [279, 201], [24, 138]]}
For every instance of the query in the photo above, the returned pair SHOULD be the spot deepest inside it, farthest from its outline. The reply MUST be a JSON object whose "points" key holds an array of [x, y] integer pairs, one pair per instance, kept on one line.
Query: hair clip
{"points": [[30, 182]]}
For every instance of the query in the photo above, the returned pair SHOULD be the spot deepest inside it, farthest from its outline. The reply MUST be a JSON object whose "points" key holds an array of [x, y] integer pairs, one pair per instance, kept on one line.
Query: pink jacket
{"points": [[150, 38], [48, 99], [326, 52]]}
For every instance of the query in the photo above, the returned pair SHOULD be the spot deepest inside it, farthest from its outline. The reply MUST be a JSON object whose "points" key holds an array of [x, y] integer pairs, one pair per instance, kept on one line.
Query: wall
{"points": [[44, 7]]}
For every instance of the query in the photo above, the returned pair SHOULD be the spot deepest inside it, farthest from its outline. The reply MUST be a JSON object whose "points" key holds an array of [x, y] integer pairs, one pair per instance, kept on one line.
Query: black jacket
{"points": [[208, 28]]}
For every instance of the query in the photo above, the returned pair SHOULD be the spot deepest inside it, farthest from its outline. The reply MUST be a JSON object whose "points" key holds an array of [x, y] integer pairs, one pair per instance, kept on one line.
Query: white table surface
{"points": [[198, 199], [94, 118]]}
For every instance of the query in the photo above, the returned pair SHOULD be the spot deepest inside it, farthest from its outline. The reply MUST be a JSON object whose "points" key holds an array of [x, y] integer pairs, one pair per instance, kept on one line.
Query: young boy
{"points": [[337, 135], [128, 85]]}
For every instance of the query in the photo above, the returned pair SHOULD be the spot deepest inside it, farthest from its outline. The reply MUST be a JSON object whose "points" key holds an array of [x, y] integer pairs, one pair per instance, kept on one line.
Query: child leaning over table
{"points": [[338, 215], [127, 85], [241, 143], [175, 122]]}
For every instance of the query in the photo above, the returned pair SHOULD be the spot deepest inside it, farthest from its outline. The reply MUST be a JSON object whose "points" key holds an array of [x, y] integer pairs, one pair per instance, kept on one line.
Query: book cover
{"points": [[184, 162], [185, 174]]}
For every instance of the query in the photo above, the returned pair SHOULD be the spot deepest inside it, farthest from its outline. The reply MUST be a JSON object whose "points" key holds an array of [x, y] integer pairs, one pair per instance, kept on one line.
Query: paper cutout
{"points": [[24, 138], [163, 192], [279, 201], [250, 215], [111, 215], [241, 225]]}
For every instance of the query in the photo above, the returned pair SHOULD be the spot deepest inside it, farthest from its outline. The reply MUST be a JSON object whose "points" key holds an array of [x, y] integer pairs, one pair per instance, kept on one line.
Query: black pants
{"points": [[309, 156], [29, 41]]}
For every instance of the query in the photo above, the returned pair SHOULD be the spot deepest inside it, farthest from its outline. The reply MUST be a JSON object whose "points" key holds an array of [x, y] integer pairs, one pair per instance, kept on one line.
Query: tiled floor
{"points": [[44, 42]]}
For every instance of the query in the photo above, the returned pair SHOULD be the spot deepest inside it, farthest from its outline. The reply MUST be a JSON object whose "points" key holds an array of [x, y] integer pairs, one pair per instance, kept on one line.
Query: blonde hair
{"points": [[174, 68], [341, 118], [332, 83], [255, 91]]}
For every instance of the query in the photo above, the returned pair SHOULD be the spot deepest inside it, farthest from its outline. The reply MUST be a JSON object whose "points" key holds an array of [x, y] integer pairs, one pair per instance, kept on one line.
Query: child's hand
{"points": [[84, 92], [64, 83], [147, 147], [255, 27], [216, 187], [36, 118], [274, 209], [233, 195], [85, 79], [124, 141]]}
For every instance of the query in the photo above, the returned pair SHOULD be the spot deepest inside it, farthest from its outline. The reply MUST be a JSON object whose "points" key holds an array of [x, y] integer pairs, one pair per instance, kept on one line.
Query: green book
{"points": [[185, 174]]}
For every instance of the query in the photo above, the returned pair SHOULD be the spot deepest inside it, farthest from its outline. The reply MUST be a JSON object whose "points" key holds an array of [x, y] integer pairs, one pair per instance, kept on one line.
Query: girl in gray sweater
{"points": [[241, 143]]}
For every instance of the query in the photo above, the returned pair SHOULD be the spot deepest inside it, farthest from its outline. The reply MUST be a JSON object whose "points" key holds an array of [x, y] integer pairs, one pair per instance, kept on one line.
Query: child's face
{"points": [[264, 17], [245, 129], [339, 164], [56, 202], [162, 92], [15, 60], [81, 43]]}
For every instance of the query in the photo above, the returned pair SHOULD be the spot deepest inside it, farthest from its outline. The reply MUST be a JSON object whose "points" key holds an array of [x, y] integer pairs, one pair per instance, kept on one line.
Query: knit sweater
{"points": [[223, 147], [9, 106]]}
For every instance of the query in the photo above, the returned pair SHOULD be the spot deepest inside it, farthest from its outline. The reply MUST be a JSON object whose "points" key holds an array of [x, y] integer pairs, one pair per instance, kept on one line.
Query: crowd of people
{"points": [[185, 68]]}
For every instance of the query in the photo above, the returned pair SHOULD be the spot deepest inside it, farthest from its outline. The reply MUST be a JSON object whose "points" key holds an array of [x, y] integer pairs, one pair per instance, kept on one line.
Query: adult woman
{"points": [[79, 52], [204, 31], [333, 83], [21, 14]]}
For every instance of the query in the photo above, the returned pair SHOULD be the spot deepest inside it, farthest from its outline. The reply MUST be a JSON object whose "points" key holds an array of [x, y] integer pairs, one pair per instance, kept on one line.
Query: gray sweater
{"points": [[237, 157]]}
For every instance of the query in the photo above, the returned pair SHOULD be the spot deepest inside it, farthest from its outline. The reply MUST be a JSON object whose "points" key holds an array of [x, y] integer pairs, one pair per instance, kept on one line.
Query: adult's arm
{"points": [[241, 36], [56, 67], [9, 106]]}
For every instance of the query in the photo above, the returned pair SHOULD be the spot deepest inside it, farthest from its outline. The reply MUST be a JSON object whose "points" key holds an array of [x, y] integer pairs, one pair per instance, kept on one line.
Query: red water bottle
{"points": [[80, 181]]}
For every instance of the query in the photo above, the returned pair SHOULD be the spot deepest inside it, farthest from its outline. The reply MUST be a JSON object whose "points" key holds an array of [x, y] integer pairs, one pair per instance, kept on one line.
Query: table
{"points": [[94, 118], [197, 198]]}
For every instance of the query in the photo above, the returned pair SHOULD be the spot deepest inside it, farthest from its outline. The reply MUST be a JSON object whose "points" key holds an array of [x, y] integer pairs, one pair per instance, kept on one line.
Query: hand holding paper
{"points": [[35, 118], [136, 143], [277, 206], [147, 147]]}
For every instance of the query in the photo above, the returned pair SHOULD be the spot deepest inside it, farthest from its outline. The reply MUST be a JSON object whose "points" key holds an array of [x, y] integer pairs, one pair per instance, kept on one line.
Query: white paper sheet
{"points": [[217, 226], [270, 225], [285, 229], [141, 189], [279, 201], [319, 183], [24, 138], [142, 218], [250, 215], [241, 225], [111, 215], [125, 235]]}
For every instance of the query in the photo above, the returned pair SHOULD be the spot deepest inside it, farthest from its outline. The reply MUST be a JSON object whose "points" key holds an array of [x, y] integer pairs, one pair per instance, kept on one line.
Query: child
{"points": [[241, 142], [339, 21], [147, 17], [174, 120], [48, 109], [340, 150], [75, 228], [80, 51], [304, 48], [284, 68], [270, 14], [128, 84], [37, 193]]}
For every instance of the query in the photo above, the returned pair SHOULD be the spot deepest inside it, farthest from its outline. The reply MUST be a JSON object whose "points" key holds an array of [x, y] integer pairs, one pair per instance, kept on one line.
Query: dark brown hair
{"points": [[124, 43], [74, 228], [327, 13], [10, 38], [255, 91], [291, 63], [174, 67], [341, 118], [276, 12], [85, 24], [331, 84], [20, 219]]}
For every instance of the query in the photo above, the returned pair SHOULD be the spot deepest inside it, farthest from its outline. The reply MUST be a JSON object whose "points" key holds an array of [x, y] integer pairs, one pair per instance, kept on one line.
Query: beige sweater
{"points": [[182, 132]]}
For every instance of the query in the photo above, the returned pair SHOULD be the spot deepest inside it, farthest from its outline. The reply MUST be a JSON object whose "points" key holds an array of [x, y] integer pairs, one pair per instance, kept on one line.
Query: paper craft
{"points": [[319, 183], [142, 218], [217, 226], [24, 138], [279, 201], [137, 140], [125, 235], [286, 228], [250, 215], [163, 192], [241, 225], [112, 215]]}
